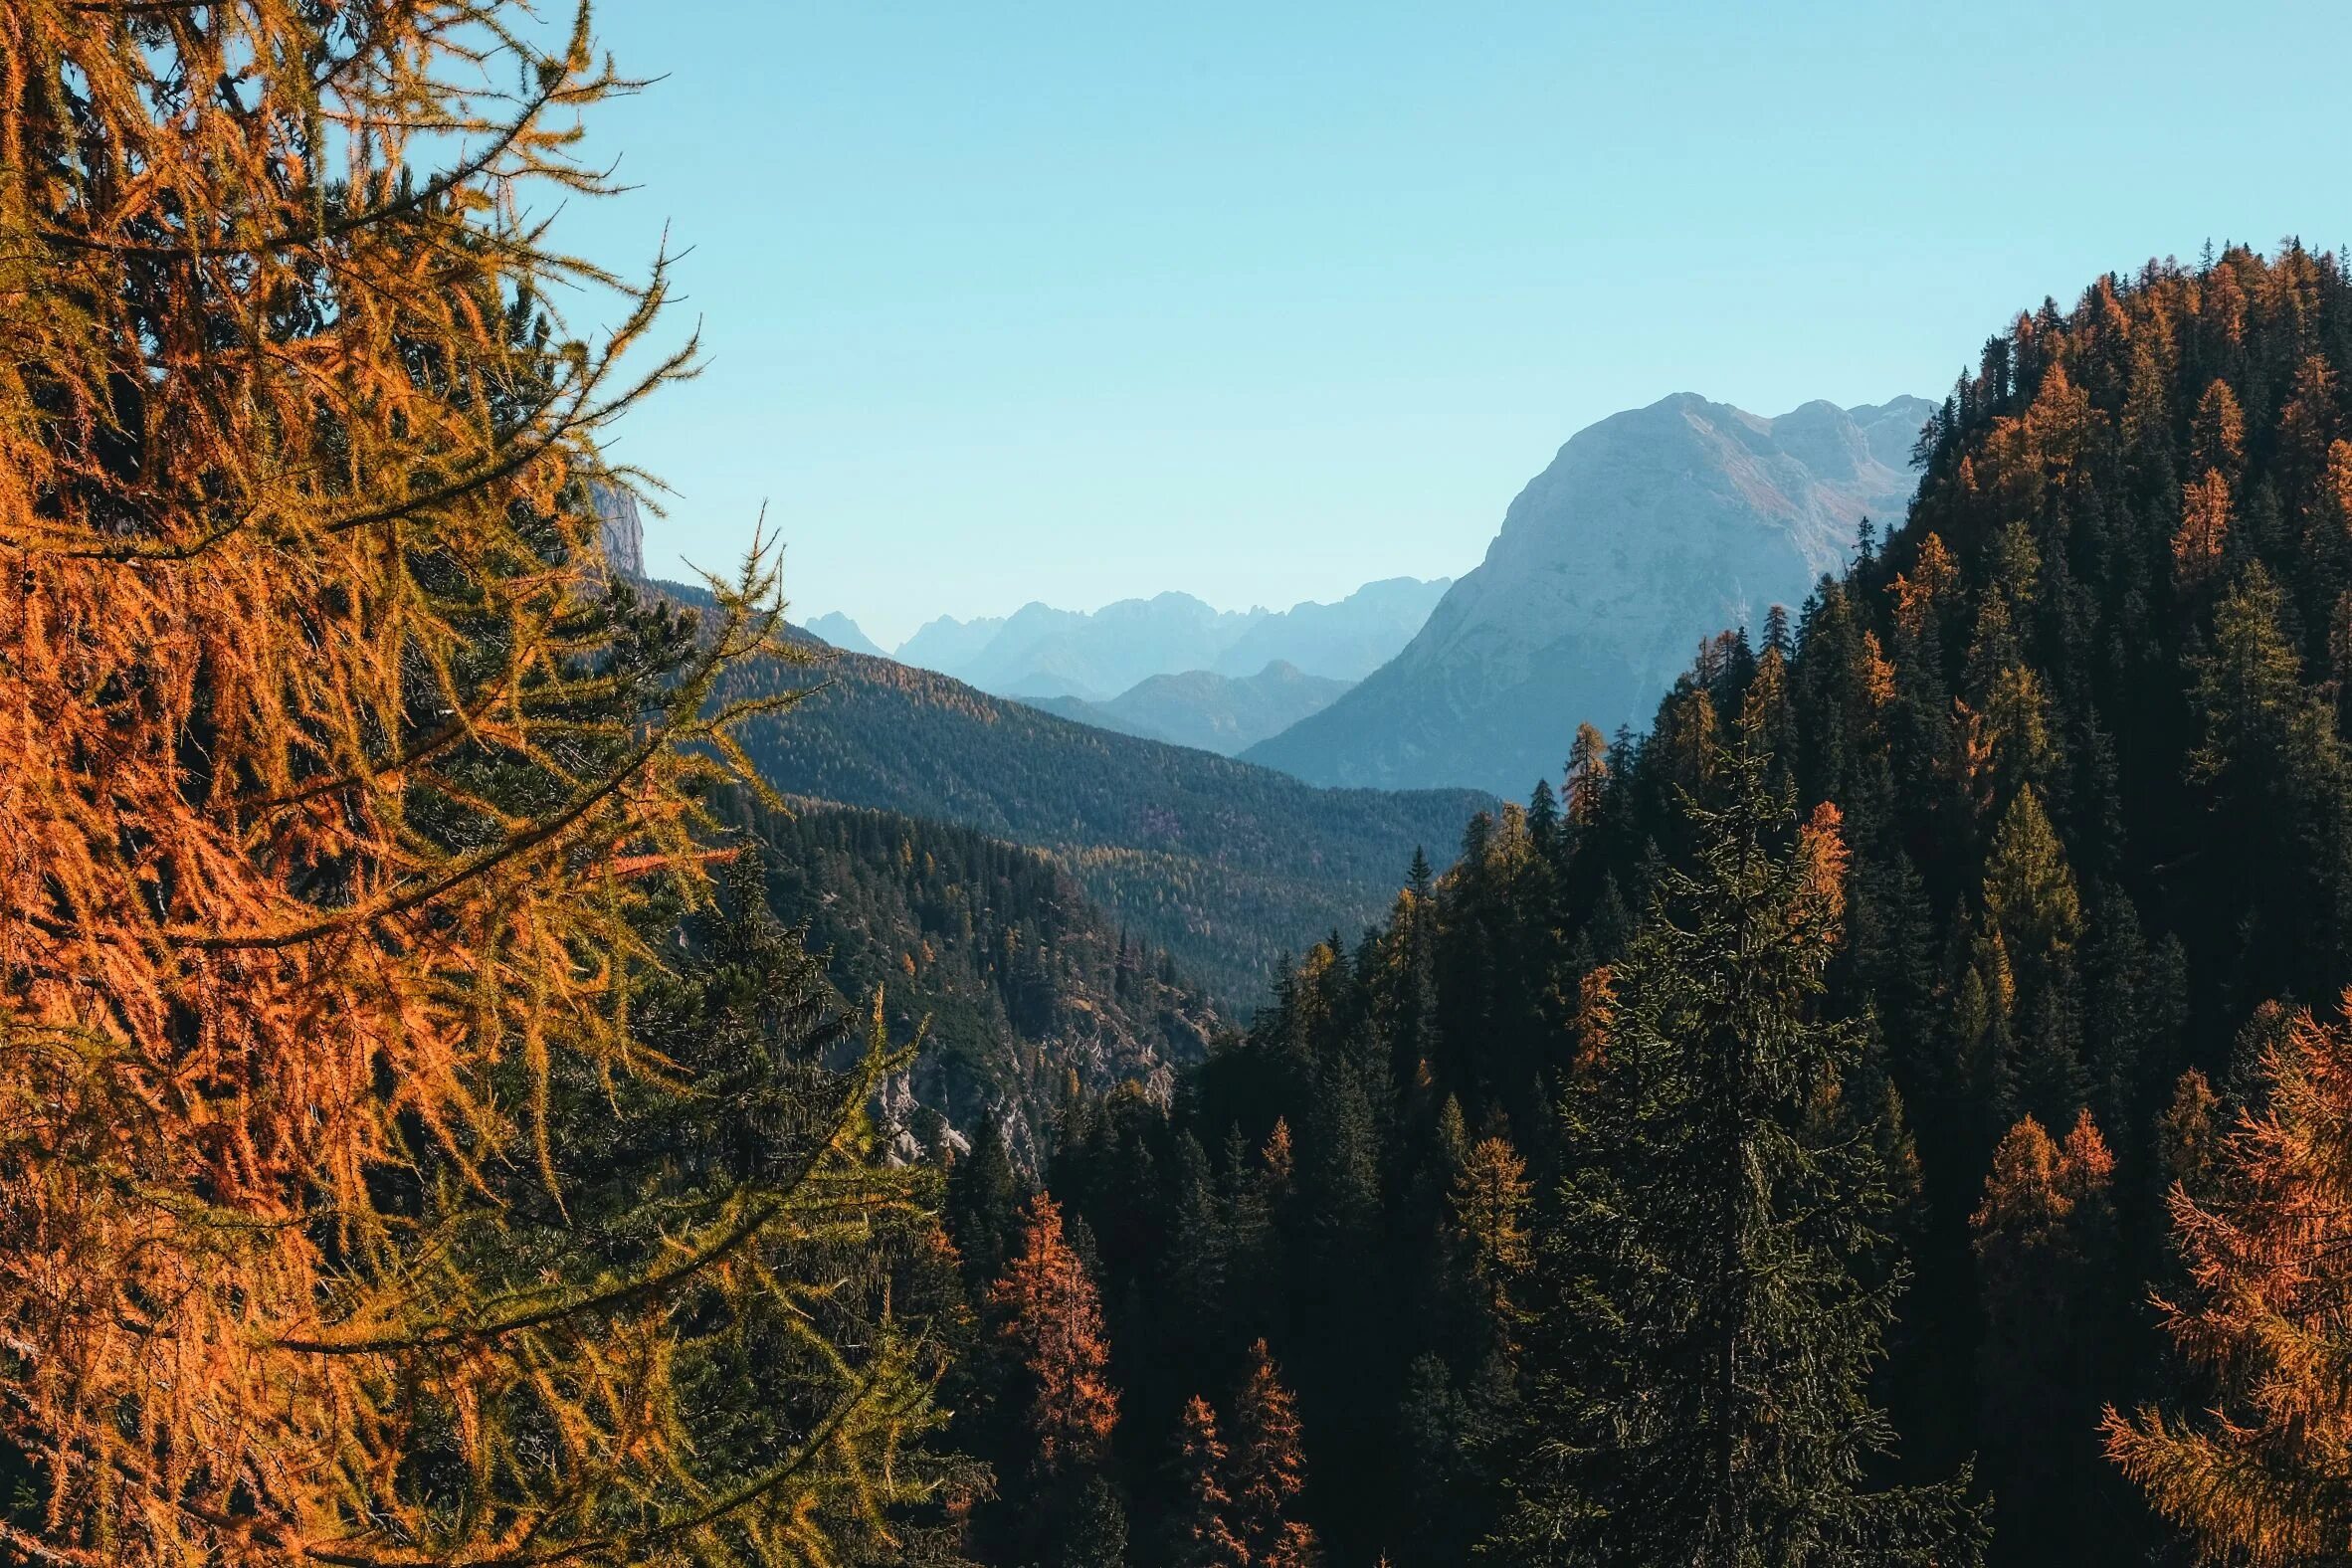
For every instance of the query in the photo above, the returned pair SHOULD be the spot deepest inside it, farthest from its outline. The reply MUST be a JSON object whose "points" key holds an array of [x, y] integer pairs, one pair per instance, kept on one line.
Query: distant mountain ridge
{"points": [[1222, 866], [1042, 652], [1648, 530], [1207, 711]]}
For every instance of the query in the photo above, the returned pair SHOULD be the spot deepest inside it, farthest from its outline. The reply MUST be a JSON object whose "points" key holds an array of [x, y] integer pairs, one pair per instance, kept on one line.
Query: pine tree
{"points": [[2029, 889], [2197, 549], [1268, 1471], [1489, 1202], [1203, 1535], [1588, 776], [1051, 1318], [1055, 1408], [2216, 433], [2188, 1135], [2046, 1249], [1709, 1325], [2261, 1472], [983, 1210]]}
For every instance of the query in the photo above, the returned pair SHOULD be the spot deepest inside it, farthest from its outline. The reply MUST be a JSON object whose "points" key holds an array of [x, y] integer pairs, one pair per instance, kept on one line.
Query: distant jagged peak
{"points": [[1041, 651], [838, 630]]}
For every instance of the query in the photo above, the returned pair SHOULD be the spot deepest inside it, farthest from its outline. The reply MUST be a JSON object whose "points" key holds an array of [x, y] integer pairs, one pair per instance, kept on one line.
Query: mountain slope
{"points": [[1648, 531], [1223, 864], [1221, 714], [1021, 979]]}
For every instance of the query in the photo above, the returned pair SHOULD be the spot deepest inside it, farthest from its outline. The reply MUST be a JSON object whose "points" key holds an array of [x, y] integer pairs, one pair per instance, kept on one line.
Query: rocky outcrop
{"points": [[620, 529]]}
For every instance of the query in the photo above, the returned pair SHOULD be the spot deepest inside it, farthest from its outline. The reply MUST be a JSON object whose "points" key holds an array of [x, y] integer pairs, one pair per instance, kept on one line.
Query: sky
{"points": [[1078, 302]]}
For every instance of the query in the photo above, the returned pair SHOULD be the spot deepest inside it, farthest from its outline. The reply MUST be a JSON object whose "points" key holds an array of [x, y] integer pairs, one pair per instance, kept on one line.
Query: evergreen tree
{"points": [[2046, 1247], [1489, 1202], [983, 1208], [1051, 1318], [1710, 1323], [1588, 776]]}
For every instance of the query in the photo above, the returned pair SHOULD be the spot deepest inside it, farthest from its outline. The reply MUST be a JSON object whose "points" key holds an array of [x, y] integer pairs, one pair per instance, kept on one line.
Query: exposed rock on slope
{"points": [[1648, 531]]}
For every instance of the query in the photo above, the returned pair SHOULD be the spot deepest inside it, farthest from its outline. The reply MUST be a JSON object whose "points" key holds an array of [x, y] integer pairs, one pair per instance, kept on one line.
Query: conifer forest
{"points": [[467, 1102]]}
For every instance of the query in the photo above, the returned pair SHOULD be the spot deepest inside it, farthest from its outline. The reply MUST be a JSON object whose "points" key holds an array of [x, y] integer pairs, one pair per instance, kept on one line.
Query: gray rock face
{"points": [[1648, 531], [619, 528]]}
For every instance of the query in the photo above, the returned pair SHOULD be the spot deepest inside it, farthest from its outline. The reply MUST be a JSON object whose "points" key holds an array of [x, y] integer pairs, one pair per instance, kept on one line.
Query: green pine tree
{"points": [[1711, 1281]]}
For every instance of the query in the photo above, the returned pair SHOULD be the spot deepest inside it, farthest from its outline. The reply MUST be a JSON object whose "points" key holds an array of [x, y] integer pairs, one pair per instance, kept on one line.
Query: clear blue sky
{"points": [[1260, 300]]}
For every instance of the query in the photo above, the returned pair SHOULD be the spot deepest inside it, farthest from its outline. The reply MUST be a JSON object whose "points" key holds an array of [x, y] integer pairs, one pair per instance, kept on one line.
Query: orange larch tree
{"points": [[343, 797], [2264, 1476], [1269, 1470], [1203, 1536], [2044, 1240], [1052, 1320]]}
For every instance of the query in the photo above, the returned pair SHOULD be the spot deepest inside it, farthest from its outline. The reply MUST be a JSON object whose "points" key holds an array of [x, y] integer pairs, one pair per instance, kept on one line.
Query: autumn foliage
{"points": [[2264, 1476], [1051, 1318], [1241, 1498], [341, 798]]}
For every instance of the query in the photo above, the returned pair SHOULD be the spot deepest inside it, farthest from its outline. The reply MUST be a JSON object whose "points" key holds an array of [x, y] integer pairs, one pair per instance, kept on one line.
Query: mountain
{"points": [[947, 644], [1044, 652], [1225, 866], [1098, 714], [1346, 640], [1041, 652], [1648, 531], [2057, 779], [1021, 980], [843, 633], [1204, 710], [1221, 714]]}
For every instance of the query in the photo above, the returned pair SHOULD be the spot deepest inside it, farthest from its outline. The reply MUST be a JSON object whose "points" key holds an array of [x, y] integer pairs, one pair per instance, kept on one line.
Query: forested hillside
{"points": [[1771, 1147], [1224, 866], [1021, 986]]}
